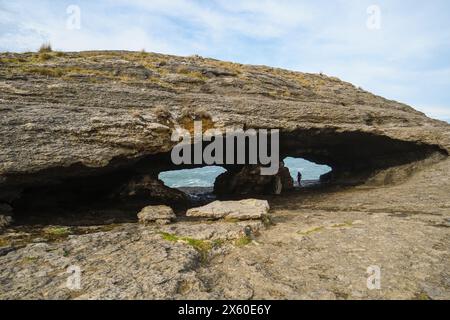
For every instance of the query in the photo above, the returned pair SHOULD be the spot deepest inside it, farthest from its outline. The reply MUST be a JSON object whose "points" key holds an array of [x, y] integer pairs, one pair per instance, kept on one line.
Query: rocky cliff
{"points": [[94, 120], [93, 128]]}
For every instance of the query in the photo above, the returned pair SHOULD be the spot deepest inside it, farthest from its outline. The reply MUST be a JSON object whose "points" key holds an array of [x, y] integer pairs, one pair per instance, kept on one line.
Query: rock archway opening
{"points": [[197, 183], [358, 157], [311, 174], [126, 186]]}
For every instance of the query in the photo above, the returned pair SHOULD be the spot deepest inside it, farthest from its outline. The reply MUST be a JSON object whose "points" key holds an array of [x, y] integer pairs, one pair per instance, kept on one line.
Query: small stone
{"points": [[248, 231], [158, 214]]}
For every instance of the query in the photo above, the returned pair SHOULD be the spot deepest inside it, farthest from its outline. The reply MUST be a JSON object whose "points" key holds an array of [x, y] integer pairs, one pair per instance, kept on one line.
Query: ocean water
{"points": [[200, 177], [205, 177]]}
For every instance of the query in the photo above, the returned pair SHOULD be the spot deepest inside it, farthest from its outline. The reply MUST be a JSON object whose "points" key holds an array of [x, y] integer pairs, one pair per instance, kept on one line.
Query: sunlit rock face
{"points": [[79, 122]]}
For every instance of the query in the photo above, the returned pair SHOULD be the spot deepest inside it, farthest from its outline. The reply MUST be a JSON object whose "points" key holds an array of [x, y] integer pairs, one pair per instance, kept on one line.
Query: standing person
{"points": [[299, 179]]}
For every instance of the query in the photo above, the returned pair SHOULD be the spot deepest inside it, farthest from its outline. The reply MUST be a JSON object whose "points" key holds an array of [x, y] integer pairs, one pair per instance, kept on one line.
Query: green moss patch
{"points": [[4, 243], [202, 246], [346, 224], [242, 241], [56, 233], [311, 231]]}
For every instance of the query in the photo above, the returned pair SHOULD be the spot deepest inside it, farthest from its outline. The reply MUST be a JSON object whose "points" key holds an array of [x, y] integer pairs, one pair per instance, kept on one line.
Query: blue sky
{"points": [[406, 59]]}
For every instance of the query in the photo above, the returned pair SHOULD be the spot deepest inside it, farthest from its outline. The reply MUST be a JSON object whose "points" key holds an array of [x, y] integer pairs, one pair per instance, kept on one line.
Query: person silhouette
{"points": [[299, 179]]}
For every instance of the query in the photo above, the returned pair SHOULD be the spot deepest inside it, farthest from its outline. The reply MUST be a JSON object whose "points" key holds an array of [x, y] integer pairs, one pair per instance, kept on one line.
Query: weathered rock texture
{"points": [[319, 248], [146, 187], [248, 209], [94, 119], [248, 180], [159, 214], [79, 127]]}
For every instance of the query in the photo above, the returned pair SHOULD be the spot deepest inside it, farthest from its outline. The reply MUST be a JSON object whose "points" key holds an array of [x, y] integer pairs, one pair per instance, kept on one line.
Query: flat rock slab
{"points": [[158, 214], [249, 209]]}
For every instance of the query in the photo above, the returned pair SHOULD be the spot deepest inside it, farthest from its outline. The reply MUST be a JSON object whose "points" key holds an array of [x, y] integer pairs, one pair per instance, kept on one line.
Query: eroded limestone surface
{"points": [[77, 122], [81, 130], [319, 248]]}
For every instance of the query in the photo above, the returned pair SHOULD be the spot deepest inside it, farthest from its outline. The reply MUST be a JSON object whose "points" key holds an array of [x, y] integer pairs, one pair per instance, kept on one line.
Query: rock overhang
{"points": [[88, 122]]}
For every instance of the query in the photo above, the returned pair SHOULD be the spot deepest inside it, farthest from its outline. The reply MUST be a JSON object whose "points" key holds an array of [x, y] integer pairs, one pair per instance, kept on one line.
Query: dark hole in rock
{"points": [[94, 200]]}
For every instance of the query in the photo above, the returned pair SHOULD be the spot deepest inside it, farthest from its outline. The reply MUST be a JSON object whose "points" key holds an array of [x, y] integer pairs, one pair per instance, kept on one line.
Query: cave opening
{"points": [[197, 183], [311, 173], [116, 192]]}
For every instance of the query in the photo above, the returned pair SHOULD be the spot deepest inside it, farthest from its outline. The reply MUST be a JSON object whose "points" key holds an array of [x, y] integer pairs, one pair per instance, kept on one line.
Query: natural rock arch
{"points": [[71, 132]]}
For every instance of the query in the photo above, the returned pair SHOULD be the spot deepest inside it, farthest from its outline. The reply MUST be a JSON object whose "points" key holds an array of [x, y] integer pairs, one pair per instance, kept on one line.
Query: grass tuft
{"points": [[203, 247], [29, 259], [45, 47], [343, 225], [192, 74], [422, 296], [45, 56], [57, 231], [4, 243], [311, 231], [267, 220], [242, 241], [43, 71]]}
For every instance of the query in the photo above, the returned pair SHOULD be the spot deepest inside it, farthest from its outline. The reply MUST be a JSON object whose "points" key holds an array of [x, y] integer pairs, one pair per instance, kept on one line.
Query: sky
{"points": [[399, 49]]}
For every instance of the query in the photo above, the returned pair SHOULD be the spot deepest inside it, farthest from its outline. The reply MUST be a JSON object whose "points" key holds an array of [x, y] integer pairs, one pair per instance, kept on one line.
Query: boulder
{"points": [[249, 181], [156, 214], [249, 209]]}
